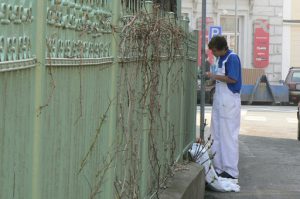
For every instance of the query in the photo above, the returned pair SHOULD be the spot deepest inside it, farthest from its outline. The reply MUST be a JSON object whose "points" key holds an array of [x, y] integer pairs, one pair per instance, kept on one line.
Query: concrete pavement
{"points": [[269, 169]]}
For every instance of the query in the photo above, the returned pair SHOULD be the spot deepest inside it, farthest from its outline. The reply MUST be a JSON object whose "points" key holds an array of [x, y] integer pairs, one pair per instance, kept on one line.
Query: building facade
{"points": [[260, 37], [291, 35]]}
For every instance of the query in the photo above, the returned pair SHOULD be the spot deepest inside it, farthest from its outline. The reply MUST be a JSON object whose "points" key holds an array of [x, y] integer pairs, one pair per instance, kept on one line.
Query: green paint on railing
{"points": [[69, 126]]}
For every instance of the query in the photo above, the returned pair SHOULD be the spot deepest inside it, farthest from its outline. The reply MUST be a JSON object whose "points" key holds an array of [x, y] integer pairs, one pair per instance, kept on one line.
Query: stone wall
{"points": [[272, 10]]}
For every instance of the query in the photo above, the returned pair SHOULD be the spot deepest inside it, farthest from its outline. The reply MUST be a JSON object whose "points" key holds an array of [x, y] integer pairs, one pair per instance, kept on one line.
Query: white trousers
{"points": [[225, 127]]}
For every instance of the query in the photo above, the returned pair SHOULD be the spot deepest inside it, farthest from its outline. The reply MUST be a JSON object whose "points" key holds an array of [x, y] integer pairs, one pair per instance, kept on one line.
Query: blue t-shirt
{"points": [[232, 70]]}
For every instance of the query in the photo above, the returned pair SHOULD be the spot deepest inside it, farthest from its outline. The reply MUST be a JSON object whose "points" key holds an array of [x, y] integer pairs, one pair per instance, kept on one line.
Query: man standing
{"points": [[226, 110]]}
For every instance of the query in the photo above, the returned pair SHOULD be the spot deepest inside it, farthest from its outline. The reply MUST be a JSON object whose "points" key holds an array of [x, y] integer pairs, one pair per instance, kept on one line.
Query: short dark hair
{"points": [[218, 42]]}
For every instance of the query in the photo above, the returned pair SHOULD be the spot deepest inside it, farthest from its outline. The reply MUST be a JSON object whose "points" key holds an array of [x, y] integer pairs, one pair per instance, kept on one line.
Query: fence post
{"points": [[39, 44], [178, 8], [185, 23], [109, 186], [145, 136]]}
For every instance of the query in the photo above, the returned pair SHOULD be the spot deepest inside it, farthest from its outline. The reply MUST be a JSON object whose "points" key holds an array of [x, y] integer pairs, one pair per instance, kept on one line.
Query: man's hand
{"points": [[210, 75], [221, 78]]}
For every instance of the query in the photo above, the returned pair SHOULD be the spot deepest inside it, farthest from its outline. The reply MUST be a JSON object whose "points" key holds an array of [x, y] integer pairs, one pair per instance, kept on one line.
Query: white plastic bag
{"points": [[215, 182]]}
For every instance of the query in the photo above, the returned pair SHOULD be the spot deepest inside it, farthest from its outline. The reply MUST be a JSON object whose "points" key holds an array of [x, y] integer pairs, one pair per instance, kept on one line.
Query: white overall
{"points": [[225, 126]]}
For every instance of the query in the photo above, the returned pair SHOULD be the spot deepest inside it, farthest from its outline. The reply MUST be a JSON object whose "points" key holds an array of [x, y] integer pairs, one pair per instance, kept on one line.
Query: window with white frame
{"points": [[228, 30]]}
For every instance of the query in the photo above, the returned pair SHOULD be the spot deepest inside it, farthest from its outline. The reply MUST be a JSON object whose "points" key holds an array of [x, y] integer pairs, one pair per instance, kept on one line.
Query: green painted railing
{"points": [[78, 118]]}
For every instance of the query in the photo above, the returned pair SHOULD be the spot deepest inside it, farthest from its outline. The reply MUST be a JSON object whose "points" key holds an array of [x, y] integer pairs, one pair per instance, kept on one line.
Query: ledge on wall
{"points": [[187, 183]]}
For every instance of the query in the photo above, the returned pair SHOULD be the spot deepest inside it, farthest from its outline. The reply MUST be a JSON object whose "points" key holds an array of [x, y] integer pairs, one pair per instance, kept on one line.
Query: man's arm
{"points": [[221, 78]]}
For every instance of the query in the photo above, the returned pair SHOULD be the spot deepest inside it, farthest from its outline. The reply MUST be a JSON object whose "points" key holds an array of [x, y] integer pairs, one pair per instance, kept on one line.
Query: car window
{"points": [[296, 77]]}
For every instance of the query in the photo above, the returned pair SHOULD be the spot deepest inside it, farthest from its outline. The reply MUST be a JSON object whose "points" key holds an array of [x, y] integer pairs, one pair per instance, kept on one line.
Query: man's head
{"points": [[218, 45]]}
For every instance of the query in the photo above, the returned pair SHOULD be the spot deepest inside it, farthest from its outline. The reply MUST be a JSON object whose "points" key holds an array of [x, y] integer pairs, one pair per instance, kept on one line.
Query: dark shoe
{"points": [[226, 175]]}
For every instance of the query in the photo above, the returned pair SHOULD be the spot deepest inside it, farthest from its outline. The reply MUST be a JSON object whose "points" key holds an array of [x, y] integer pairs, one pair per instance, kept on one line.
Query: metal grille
{"points": [[135, 5], [167, 5]]}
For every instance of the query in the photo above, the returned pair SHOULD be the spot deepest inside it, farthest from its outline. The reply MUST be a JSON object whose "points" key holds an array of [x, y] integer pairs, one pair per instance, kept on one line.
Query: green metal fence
{"points": [[77, 120]]}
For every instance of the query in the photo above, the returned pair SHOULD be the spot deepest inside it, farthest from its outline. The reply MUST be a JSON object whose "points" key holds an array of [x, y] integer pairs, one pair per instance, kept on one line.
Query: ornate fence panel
{"points": [[17, 82], [90, 106]]}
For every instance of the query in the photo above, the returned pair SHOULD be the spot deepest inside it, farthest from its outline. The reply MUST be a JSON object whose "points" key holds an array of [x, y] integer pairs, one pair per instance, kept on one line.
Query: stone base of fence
{"points": [[187, 183]]}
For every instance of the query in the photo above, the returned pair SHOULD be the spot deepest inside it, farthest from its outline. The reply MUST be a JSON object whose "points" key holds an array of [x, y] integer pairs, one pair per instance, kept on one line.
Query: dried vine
{"points": [[49, 44], [152, 42]]}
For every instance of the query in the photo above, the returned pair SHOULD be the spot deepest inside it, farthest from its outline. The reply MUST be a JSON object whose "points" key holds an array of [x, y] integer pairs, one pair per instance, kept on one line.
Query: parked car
{"points": [[298, 117], [292, 80]]}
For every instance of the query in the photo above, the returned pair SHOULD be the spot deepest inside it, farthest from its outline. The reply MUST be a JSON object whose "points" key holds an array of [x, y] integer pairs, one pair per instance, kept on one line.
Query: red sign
{"points": [[209, 22], [261, 43]]}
